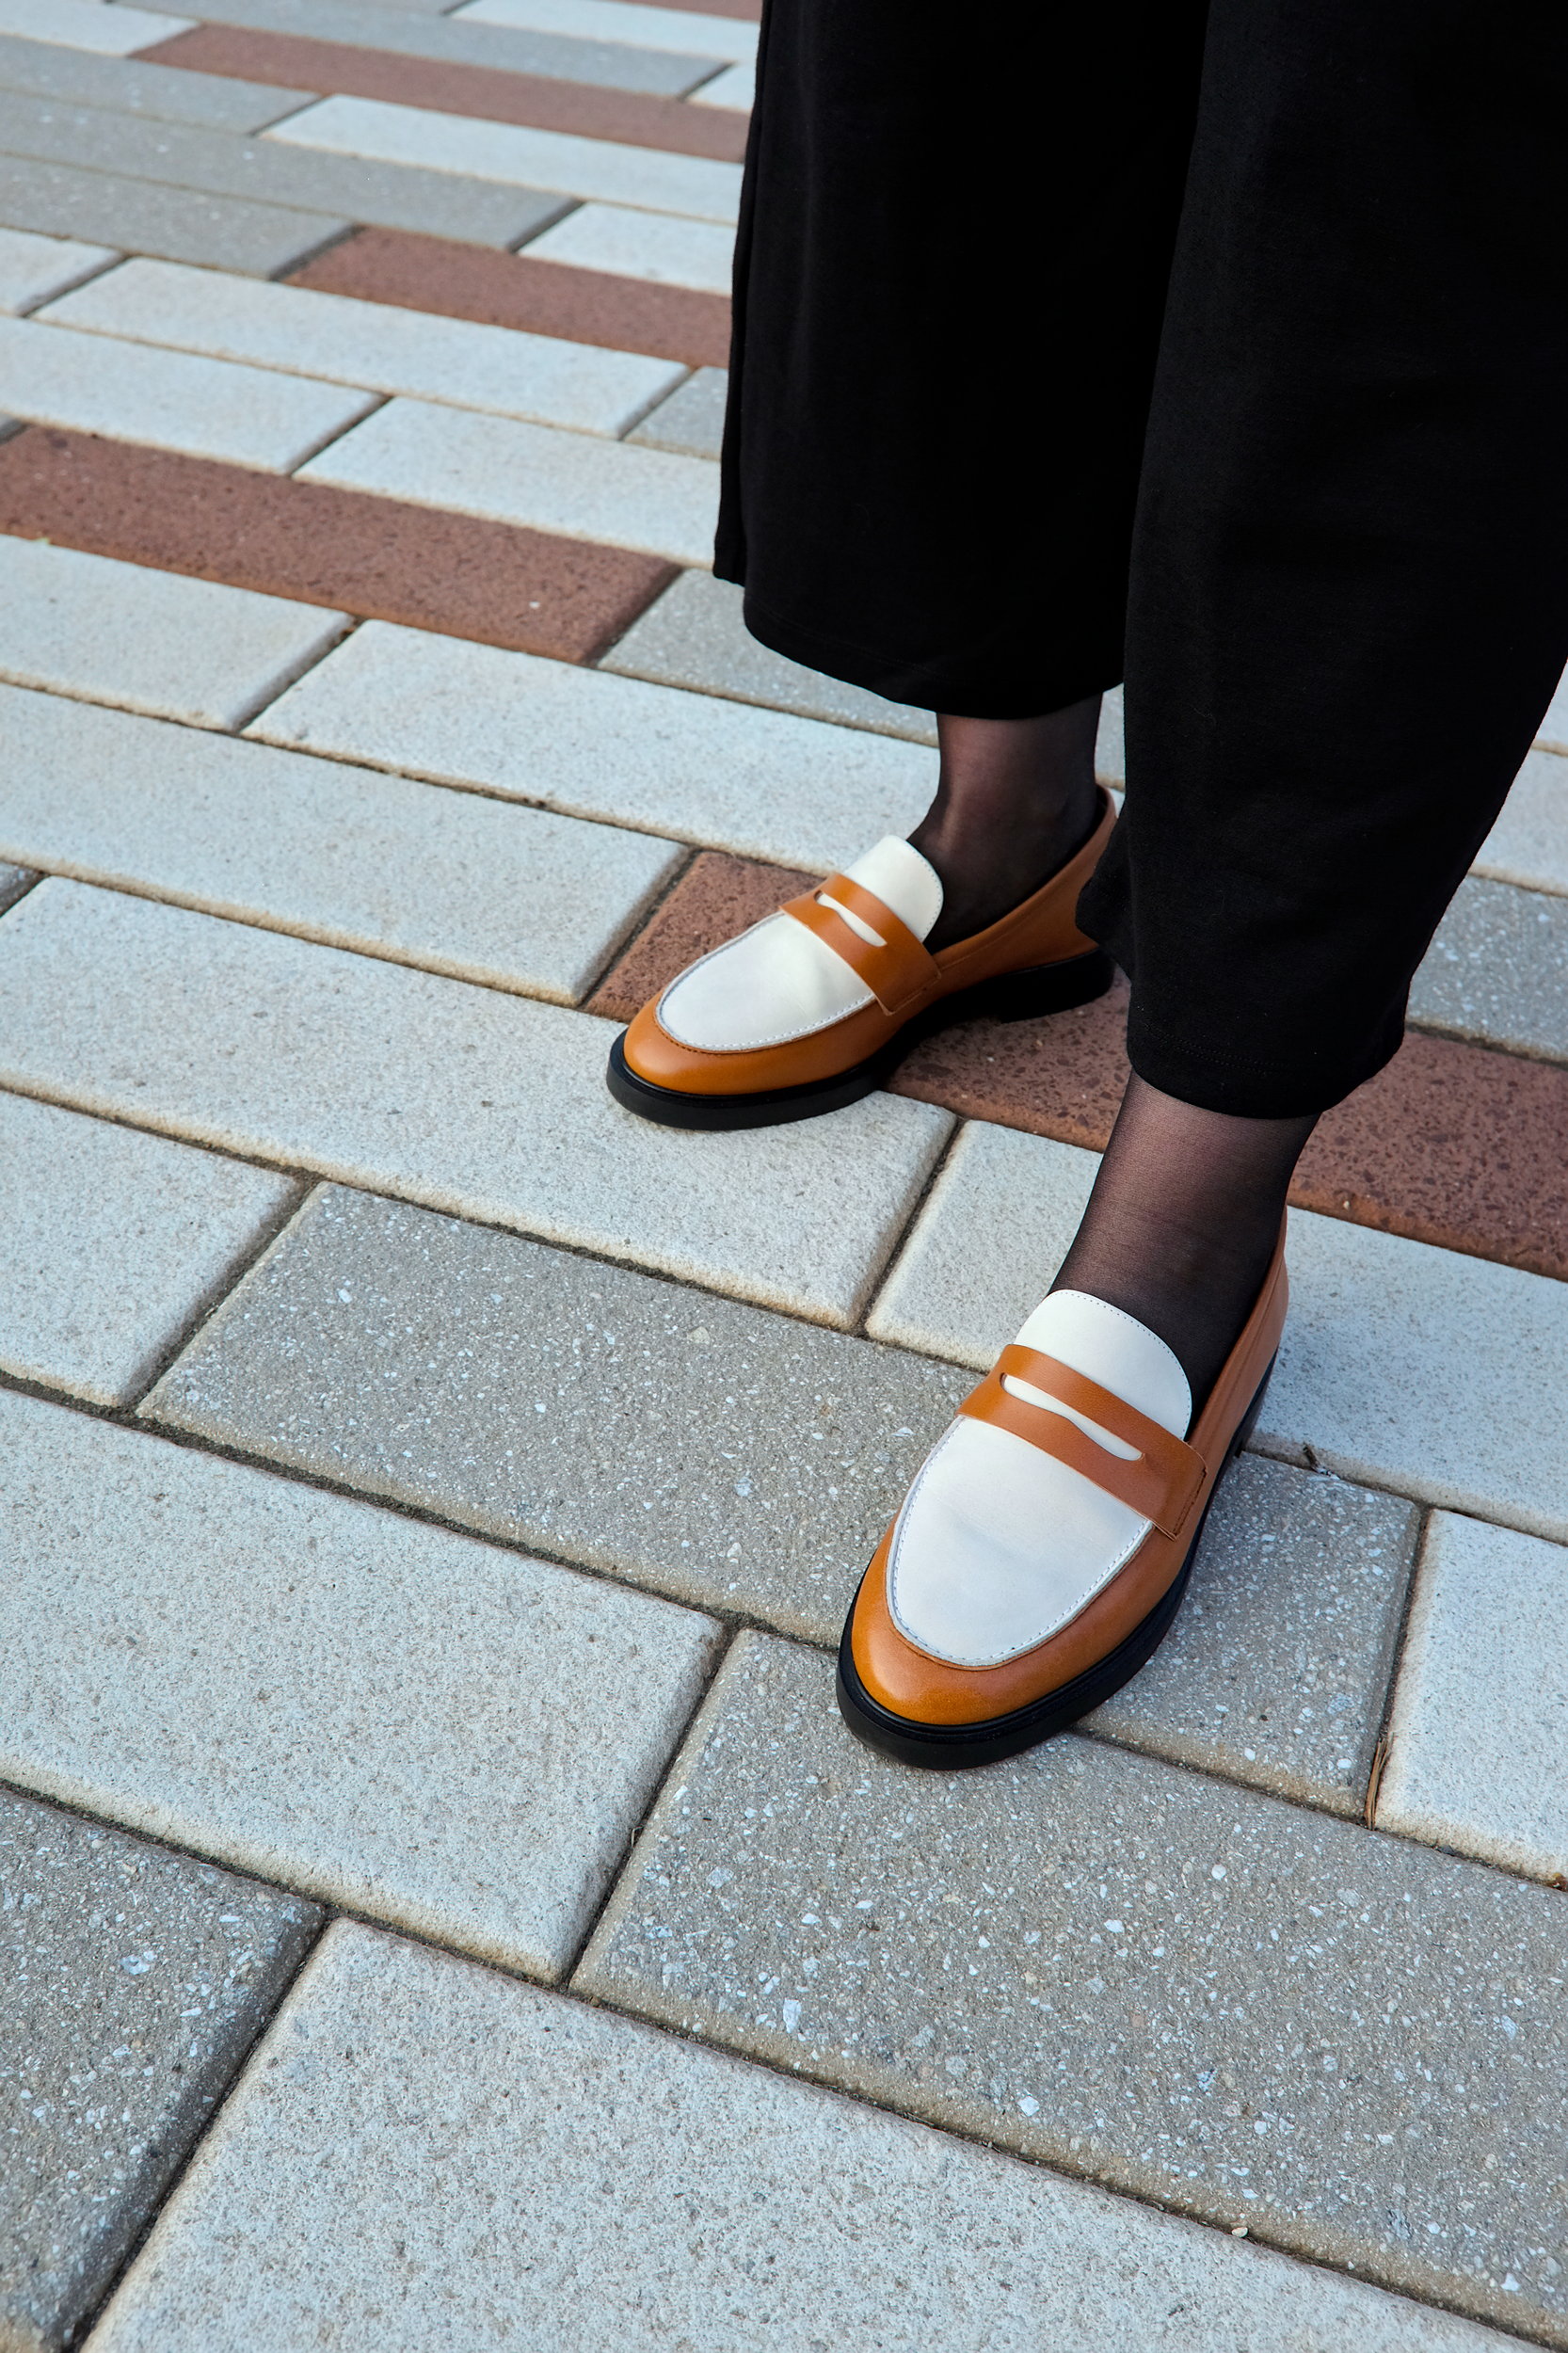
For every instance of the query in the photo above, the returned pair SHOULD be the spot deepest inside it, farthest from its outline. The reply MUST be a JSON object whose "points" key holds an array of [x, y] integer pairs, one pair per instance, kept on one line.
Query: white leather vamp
{"points": [[778, 980], [998, 1545]]}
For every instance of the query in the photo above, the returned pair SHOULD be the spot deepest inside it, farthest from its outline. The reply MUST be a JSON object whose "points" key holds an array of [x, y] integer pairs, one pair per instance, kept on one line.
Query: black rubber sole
{"points": [[955, 1748], [1014, 996]]}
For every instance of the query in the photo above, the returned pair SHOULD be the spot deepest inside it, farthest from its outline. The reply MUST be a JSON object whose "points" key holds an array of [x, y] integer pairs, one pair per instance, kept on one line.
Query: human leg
{"points": [[1348, 607]]}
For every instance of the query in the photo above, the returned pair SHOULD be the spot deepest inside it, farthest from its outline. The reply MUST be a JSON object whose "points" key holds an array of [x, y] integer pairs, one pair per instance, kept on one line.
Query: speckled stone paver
{"points": [[517, 898], [112, 1241], [375, 345], [733, 1458], [483, 1105], [132, 1981], [392, 1717], [704, 769], [1246, 2009], [747, 1463], [1276, 1670], [133, 86], [209, 162], [1479, 1752], [1497, 970], [14, 882], [423, 2154]]}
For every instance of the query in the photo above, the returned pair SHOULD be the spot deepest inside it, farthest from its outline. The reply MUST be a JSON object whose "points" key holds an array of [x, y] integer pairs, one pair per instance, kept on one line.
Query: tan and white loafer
{"points": [[1043, 1550], [812, 1007]]}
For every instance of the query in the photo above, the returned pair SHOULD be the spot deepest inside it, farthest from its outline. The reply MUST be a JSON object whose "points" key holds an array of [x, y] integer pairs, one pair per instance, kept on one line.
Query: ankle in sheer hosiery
{"points": [[1015, 799], [1183, 1221]]}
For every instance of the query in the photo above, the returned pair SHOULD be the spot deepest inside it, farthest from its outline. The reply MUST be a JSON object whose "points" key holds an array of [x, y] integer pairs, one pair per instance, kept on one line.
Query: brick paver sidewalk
{"points": [[441, 1904]]}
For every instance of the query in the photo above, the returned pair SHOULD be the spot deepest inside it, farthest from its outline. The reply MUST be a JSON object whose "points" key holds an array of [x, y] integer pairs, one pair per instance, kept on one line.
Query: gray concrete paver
{"points": [[515, 898], [132, 1981], [689, 420], [764, 783], [693, 636], [155, 642], [449, 1738], [14, 882], [216, 162], [1276, 1670], [111, 1242], [732, 1458], [1478, 1749], [1249, 2010], [137, 87], [1497, 970], [139, 216], [609, 2186], [260, 1045], [33, 269]]}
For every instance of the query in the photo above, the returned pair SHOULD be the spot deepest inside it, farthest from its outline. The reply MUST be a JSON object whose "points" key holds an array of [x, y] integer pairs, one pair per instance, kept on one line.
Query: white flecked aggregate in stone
{"points": [[733, 1459], [131, 1983], [649, 178], [112, 32], [144, 216], [375, 345], [33, 269], [454, 882], [169, 399], [141, 86], [1402, 1366], [645, 2193], [693, 33], [762, 783], [734, 88], [533, 474], [111, 1241], [628, 244], [461, 1098], [1478, 1750], [1528, 843], [1234, 2006], [1497, 970], [452, 1738], [153, 642]]}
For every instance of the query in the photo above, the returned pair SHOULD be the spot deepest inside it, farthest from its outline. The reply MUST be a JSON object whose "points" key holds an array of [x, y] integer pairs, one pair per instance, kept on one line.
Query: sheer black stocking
{"points": [[1015, 799], [1182, 1223]]}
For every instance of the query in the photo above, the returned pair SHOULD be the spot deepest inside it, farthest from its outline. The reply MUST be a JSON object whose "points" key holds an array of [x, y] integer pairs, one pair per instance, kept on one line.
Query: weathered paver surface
{"points": [[131, 1983], [1239, 2007], [635, 2191], [435, 1492]]}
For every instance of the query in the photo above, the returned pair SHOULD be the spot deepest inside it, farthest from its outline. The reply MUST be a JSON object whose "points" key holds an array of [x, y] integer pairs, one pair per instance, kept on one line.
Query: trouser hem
{"points": [[969, 685]]}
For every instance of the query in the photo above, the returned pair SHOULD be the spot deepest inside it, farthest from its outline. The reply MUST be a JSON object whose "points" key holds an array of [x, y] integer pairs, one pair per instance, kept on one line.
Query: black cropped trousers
{"points": [[1222, 348]]}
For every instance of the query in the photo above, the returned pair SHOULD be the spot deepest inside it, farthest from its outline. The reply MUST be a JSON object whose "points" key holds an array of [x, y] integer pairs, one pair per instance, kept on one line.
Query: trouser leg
{"points": [[1349, 590], [949, 279]]}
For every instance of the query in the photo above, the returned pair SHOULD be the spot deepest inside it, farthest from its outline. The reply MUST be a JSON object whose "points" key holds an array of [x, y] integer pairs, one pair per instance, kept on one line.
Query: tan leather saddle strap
{"points": [[896, 973], [1161, 1482]]}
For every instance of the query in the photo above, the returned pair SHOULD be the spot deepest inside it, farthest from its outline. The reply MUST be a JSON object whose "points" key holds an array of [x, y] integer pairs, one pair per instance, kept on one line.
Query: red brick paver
{"points": [[336, 69], [376, 557], [463, 281]]}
